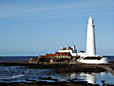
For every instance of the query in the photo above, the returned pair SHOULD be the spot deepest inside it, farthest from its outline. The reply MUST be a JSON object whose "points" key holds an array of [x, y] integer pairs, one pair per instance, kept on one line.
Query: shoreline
{"points": [[62, 66], [43, 83], [59, 67]]}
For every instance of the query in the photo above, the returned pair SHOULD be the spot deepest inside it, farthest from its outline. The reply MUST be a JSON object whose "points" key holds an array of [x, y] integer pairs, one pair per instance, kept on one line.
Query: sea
{"points": [[24, 74]]}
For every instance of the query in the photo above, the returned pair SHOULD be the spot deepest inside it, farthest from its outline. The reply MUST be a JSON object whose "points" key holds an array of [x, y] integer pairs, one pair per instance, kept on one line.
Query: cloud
{"points": [[69, 9]]}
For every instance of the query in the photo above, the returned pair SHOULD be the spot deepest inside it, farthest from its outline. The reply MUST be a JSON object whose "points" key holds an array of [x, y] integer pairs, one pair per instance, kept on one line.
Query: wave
{"points": [[16, 76]]}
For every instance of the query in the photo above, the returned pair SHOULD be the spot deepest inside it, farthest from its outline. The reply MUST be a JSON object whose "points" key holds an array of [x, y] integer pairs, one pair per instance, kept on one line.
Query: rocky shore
{"points": [[43, 83], [59, 67], [62, 67]]}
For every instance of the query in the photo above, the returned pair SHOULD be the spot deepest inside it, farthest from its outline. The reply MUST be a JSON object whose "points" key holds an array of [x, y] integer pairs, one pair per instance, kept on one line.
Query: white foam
{"points": [[16, 76]]}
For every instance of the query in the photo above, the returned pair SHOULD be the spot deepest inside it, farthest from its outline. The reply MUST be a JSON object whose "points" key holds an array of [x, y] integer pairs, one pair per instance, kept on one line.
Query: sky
{"points": [[35, 27]]}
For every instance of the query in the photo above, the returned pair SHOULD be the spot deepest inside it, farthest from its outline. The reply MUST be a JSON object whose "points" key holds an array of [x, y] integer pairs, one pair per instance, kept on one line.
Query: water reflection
{"points": [[95, 78], [22, 74], [90, 78]]}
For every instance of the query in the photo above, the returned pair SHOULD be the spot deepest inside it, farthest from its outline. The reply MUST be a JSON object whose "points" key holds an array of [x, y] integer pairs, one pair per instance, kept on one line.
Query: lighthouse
{"points": [[90, 56], [90, 46]]}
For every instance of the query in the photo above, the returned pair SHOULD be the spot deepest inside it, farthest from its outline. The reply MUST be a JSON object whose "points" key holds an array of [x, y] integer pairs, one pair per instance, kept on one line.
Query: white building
{"points": [[90, 46], [90, 55], [72, 50]]}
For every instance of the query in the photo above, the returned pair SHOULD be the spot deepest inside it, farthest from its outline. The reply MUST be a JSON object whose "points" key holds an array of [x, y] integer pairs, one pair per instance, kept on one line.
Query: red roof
{"points": [[62, 53], [57, 53], [50, 54]]}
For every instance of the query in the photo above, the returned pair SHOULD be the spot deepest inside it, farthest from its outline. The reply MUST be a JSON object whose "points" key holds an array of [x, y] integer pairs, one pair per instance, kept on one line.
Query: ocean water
{"points": [[24, 74], [111, 58], [15, 58]]}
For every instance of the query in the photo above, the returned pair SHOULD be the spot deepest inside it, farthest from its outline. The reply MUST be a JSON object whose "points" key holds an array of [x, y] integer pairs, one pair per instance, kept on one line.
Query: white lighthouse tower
{"points": [[90, 56], [90, 46]]}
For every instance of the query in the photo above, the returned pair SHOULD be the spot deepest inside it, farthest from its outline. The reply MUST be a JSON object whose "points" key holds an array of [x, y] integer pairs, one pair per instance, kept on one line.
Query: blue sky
{"points": [[34, 27]]}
